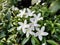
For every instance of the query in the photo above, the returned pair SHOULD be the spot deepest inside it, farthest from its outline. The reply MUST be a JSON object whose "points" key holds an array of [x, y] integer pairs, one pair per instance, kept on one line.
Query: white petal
{"points": [[32, 28], [40, 37], [43, 28], [18, 15], [33, 12], [36, 25], [32, 33], [32, 19], [35, 15], [36, 34], [20, 10], [19, 28], [24, 30], [41, 18], [44, 33], [29, 11], [38, 29], [39, 14], [25, 21], [24, 9]]}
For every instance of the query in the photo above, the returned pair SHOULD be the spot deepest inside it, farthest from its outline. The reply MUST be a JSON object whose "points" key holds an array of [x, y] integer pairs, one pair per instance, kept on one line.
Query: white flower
{"points": [[36, 18], [41, 33], [22, 13], [29, 12], [23, 26], [34, 21]]}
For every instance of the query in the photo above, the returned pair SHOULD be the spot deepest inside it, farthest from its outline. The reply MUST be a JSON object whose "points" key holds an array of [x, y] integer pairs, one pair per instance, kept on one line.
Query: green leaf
{"points": [[11, 29], [8, 15], [53, 31], [12, 2], [1, 43], [25, 40], [32, 41], [52, 42], [55, 6], [2, 34]]}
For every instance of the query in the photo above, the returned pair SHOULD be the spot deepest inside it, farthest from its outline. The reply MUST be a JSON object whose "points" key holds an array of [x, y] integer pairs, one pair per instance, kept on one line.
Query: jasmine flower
{"points": [[23, 26], [40, 33], [22, 13], [29, 12], [36, 18]]}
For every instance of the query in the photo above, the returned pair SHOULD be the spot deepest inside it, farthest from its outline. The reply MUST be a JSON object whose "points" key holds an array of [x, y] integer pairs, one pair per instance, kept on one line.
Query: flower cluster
{"points": [[31, 28]]}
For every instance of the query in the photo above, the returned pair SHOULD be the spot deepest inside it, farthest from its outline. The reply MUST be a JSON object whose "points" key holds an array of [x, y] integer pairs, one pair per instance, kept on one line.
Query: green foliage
{"points": [[35, 41], [52, 42], [55, 6], [25, 40], [9, 23]]}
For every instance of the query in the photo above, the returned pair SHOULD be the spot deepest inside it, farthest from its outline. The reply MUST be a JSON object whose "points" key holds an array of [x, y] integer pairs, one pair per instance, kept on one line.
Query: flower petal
{"points": [[19, 28], [43, 28], [40, 37], [44, 34], [24, 30], [25, 21]]}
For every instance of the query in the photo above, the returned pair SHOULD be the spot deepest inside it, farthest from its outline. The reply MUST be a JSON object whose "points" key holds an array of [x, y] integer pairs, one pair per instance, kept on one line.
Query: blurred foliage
{"points": [[8, 23]]}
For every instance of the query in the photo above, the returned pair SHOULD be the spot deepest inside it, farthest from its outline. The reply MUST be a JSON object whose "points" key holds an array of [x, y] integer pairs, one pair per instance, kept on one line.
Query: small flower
{"points": [[22, 13], [29, 12], [41, 33], [36, 18], [23, 26], [34, 21]]}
